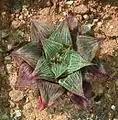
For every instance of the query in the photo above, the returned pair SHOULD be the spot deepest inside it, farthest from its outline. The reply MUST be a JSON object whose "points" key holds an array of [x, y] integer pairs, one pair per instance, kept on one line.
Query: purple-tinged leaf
{"points": [[40, 31], [87, 47], [87, 76], [49, 93], [74, 26], [79, 100], [17, 60], [29, 53], [72, 21], [98, 70], [87, 88], [25, 80]]}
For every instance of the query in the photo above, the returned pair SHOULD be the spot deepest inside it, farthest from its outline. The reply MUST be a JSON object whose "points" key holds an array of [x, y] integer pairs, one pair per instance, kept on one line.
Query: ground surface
{"points": [[18, 105]]}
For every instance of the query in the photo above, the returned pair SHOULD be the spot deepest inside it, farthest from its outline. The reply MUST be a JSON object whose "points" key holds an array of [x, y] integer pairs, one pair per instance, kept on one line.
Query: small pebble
{"points": [[111, 27], [18, 114], [29, 16], [9, 46], [17, 15], [27, 100], [113, 107], [81, 9], [69, 2], [95, 20], [86, 17], [20, 17], [15, 24], [12, 104], [16, 95], [115, 119], [99, 24], [3, 13], [22, 21]]}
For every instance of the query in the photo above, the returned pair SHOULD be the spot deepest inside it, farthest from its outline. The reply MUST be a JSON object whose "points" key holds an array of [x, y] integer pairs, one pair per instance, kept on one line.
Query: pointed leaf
{"points": [[49, 92], [29, 53], [51, 48], [79, 100], [43, 70], [62, 34], [24, 77], [98, 69], [59, 69], [87, 47], [17, 60], [73, 83], [87, 76], [74, 27], [87, 88], [72, 21], [76, 62], [40, 31]]}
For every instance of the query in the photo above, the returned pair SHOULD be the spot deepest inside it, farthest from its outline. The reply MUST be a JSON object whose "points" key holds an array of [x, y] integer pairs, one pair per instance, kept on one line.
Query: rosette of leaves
{"points": [[50, 63]]}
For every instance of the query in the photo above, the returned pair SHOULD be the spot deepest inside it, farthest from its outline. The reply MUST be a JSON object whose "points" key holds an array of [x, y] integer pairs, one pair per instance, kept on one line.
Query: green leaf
{"points": [[76, 62], [43, 69], [51, 48], [29, 53], [73, 83], [62, 34], [87, 47], [60, 68]]}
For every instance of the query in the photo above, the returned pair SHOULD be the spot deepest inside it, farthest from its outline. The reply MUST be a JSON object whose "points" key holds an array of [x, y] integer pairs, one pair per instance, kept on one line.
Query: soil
{"points": [[15, 28]]}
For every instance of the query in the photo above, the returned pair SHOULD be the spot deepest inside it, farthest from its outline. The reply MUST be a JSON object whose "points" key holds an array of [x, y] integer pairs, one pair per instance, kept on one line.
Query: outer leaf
{"points": [[40, 31], [79, 100], [98, 69], [51, 48], [76, 62], [73, 83], [72, 21], [29, 53], [43, 70], [24, 77], [62, 34], [87, 88], [87, 76], [87, 47], [49, 92], [74, 27]]}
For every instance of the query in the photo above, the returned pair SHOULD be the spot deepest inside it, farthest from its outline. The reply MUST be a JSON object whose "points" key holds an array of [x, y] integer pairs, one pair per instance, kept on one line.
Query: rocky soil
{"points": [[101, 15]]}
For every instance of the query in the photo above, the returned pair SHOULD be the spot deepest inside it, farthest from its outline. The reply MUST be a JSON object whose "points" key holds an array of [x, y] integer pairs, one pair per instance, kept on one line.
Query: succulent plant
{"points": [[51, 63]]}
